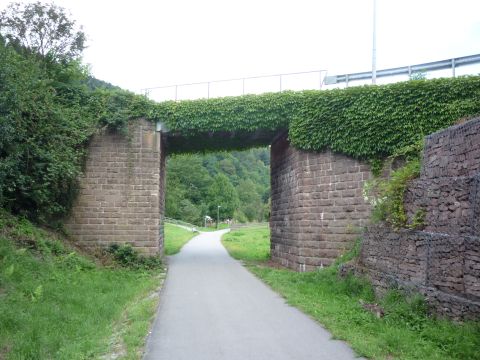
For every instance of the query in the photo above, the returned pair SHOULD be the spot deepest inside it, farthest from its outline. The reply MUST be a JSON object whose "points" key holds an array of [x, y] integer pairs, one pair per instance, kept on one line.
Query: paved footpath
{"points": [[212, 308]]}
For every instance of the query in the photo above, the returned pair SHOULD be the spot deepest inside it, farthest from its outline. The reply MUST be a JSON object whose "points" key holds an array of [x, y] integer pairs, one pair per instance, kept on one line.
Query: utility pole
{"points": [[374, 47]]}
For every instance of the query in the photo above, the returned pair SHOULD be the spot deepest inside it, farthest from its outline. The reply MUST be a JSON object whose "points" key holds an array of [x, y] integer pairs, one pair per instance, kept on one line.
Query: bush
{"points": [[125, 255], [387, 196], [43, 135]]}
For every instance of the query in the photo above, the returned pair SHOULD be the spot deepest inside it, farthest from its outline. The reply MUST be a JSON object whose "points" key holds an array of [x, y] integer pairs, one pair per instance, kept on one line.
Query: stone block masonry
{"points": [[444, 268], [443, 260], [448, 188], [317, 208], [121, 197]]}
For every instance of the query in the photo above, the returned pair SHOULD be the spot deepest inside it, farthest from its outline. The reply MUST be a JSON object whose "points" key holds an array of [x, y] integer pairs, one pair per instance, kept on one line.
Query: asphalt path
{"points": [[212, 308]]}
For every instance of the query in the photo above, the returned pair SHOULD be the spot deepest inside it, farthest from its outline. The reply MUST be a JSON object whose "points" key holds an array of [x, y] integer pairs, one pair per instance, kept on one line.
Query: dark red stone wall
{"points": [[443, 260], [318, 207]]}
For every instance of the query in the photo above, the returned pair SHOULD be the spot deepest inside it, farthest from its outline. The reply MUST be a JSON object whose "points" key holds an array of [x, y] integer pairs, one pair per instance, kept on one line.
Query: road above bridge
{"points": [[212, 308]]}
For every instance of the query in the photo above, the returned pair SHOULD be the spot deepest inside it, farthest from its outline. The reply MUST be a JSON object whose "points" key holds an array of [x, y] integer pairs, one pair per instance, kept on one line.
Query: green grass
{"points": [[129, 334], [175, 238], [248, 244], [405, 332], [58, 304]]}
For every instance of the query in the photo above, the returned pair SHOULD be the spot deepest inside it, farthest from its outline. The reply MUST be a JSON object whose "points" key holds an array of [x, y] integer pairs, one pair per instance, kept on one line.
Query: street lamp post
{"points": [[374, 46], [218, 214]]}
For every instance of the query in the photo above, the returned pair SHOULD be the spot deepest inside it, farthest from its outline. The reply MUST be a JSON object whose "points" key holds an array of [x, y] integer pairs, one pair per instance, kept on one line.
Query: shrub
{"points": [[125, 255]]}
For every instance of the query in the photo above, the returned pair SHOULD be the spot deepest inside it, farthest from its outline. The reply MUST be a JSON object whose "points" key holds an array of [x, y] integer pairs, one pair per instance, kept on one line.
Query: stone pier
{"points": [[318, 208], [121, 197]]}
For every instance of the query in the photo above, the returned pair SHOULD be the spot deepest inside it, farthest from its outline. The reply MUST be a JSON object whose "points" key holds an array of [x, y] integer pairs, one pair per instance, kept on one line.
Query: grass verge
{"points": [[129, 333], [248, 244], [406, 331], [58, 304], [175, 238]]}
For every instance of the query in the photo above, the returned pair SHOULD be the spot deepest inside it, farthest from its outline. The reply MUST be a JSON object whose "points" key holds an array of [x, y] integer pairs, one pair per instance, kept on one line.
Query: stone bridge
{"points": [[317, 209], [317, 202]]}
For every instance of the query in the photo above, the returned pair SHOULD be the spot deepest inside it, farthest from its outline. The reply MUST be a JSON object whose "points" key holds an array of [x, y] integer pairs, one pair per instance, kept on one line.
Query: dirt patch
{"points": [[4, 351]]}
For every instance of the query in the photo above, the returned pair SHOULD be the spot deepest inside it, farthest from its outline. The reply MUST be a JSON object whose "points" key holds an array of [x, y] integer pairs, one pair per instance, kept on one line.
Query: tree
{"points": [[44, 29], [187, 171], [418, 75], [45, 123], [174, 194], [250, 201], [222, 193], [190, 213]]}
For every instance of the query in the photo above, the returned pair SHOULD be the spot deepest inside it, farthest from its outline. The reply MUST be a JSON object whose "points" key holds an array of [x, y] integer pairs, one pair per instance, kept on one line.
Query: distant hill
{"points": [[94, 83], [238, 182]]}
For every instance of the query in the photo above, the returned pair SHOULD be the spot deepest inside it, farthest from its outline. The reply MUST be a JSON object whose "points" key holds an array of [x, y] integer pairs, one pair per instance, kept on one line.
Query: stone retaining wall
{"points": [[121, 196], [445, 268], [443, 260]]}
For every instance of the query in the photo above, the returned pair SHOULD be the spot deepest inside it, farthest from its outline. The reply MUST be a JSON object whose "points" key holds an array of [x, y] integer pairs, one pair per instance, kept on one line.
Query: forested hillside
{"points": [[238, 182]]}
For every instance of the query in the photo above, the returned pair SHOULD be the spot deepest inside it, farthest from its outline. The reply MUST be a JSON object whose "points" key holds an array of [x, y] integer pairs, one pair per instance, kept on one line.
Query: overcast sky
{"points": [[145, 43]]}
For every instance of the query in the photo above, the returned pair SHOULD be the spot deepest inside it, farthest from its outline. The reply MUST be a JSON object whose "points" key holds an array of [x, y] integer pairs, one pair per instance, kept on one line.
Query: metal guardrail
{"points": [[323, 79], [179, 222], [406, 70]]}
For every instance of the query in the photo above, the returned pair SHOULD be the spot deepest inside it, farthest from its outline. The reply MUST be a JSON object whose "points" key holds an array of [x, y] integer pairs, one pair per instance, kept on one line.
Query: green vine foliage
{"points": [[368, 122], [387, 196], [49, 111], [43, 132], [245, 113], [374, 121]]}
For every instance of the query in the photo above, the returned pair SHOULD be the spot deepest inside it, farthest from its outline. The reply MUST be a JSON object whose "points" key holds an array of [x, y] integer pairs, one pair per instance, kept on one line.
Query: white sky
{"points": [[146, 43]]}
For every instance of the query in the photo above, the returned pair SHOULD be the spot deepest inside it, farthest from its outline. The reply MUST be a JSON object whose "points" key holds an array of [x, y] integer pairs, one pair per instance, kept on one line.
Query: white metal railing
{"points": [[243, 83], [305, 80]]}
